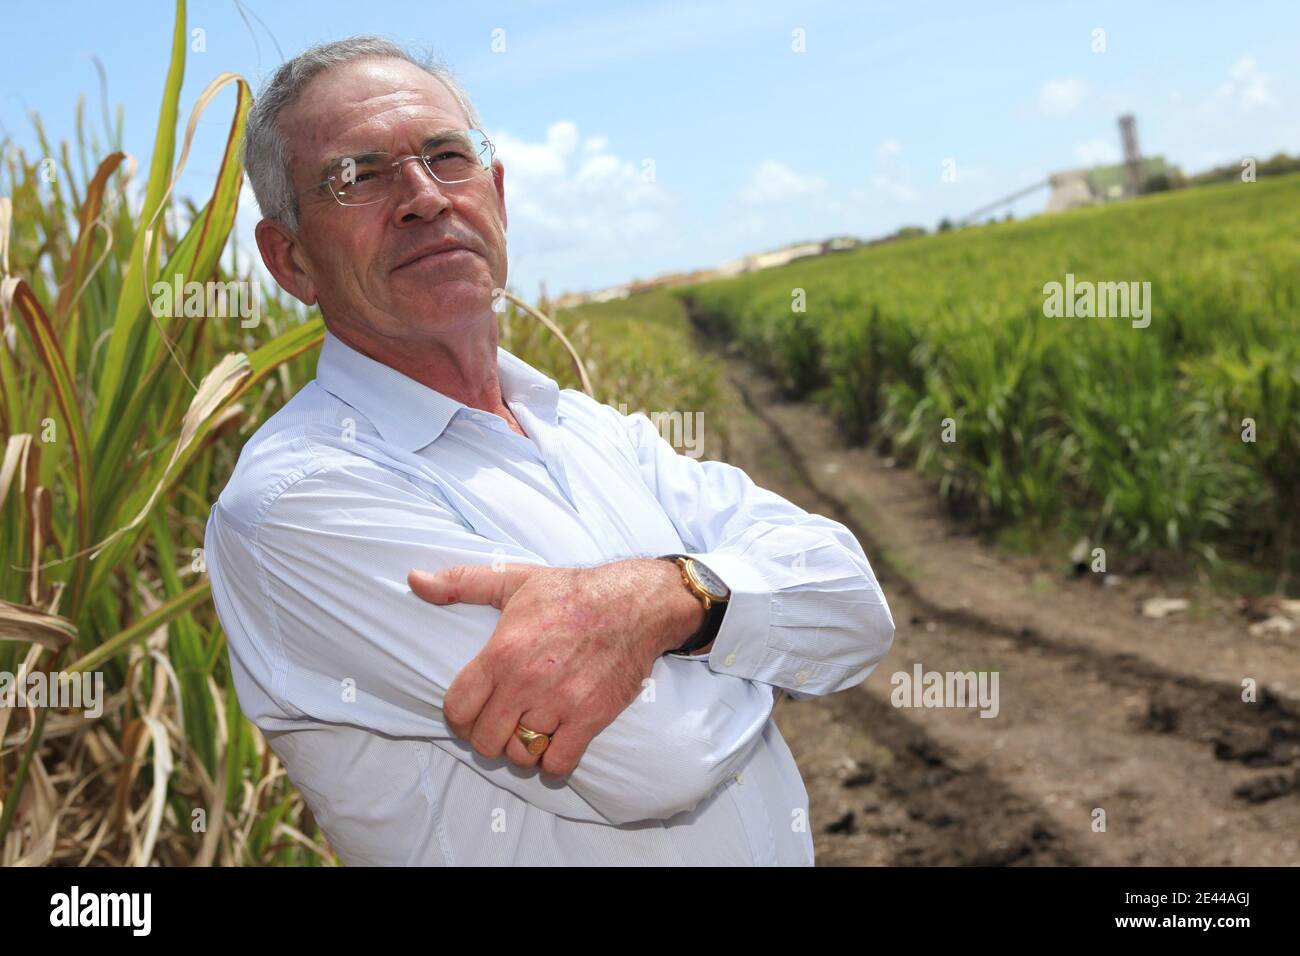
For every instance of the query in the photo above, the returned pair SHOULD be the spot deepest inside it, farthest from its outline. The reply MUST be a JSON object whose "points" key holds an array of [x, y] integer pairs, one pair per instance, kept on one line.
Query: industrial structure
{"points": [[1093, 185]]}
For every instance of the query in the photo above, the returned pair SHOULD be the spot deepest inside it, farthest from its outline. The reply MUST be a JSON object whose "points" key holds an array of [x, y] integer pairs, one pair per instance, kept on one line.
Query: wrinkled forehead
{"points": [[371, 104]]}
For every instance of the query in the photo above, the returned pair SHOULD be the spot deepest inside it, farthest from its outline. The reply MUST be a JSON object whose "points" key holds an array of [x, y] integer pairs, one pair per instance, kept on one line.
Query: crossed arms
{"points": [[642, 736]]}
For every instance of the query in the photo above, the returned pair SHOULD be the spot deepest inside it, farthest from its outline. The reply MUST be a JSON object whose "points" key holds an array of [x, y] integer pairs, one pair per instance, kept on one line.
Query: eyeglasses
{"points": [[455, 156]]}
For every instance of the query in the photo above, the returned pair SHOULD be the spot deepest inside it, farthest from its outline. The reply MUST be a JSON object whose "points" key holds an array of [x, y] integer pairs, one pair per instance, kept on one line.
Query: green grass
{"points": [[641, 353]]}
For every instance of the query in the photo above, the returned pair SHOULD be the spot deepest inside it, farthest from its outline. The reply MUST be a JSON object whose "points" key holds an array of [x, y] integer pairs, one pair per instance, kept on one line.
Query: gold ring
{"points": [[532, 740]]}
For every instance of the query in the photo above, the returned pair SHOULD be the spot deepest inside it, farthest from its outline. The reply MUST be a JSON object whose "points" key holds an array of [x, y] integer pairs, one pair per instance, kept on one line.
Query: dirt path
{"points": [[1101, 708]]}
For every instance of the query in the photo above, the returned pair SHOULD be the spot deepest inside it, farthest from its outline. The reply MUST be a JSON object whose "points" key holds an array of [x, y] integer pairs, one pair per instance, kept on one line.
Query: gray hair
{"points": [[266, 153]]}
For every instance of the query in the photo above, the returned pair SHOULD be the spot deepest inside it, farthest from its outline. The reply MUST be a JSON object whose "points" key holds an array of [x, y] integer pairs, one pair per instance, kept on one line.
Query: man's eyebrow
{"points": [[328, 169], [370, 152]]}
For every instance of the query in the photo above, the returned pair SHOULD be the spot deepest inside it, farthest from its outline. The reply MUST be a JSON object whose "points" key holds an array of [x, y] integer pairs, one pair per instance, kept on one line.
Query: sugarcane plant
{"points": [[120, 422]]}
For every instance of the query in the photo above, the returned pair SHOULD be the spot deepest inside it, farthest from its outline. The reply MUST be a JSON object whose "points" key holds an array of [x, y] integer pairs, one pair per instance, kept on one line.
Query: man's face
{"points": [[349, 258]]}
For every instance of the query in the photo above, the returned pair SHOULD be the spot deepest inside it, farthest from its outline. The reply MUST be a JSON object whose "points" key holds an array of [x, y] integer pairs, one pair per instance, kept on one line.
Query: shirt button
{"points": [[740, 778], [801, 677], [731, 659]]}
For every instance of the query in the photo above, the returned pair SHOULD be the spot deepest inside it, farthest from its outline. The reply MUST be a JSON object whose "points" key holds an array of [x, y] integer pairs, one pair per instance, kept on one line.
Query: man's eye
{"points": [[350, 173]]}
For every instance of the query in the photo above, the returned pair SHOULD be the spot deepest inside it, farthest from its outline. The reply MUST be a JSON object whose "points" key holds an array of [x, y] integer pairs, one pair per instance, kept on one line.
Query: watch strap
{"points": [[712, 616]]}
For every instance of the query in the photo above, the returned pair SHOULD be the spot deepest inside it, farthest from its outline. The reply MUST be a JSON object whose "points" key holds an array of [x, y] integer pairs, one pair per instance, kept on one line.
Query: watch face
{"points": [[711, 582]]}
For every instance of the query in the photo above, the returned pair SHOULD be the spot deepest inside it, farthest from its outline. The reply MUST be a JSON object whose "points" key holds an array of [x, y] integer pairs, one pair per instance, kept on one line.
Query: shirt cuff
{"points": [[740, 646], [744, 646]]}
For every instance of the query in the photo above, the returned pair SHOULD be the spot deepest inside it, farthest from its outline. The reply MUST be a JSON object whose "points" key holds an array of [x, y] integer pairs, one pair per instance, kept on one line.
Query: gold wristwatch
{"points": [[712, 593]]}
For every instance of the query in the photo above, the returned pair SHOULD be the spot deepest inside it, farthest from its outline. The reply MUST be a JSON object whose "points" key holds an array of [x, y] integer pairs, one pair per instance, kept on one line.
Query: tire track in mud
{"points": [[1184, 771], [895, 796]]}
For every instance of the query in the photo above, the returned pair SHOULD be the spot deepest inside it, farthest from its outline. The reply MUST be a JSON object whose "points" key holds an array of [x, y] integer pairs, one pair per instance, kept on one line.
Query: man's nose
{"points": [[418, 193]]}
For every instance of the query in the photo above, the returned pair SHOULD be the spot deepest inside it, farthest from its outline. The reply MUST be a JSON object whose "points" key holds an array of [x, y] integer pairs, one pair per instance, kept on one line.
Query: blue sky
{"points": [[751, 144]]}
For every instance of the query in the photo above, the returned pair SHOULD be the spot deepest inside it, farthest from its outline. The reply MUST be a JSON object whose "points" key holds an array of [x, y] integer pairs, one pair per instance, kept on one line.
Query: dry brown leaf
{"points": [[19, 622]]}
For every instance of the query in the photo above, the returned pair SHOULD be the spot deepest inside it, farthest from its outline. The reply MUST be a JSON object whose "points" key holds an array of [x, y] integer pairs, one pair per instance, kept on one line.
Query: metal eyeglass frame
{"points": [[399, 161]]}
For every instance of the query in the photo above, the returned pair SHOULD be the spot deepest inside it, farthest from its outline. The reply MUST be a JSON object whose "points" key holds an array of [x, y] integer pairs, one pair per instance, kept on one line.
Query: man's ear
{"points": [[279, 248], [499, 181]]}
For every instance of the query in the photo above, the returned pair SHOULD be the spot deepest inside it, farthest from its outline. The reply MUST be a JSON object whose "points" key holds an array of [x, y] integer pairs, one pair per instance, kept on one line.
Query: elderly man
{"points": [[481, 619]]}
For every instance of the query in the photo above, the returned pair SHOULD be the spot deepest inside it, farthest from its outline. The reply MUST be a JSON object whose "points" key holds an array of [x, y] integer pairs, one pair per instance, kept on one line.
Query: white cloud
{"points": [[537, 161], [1060, 98], [578, 212], [774, 182], [1246, 85]]}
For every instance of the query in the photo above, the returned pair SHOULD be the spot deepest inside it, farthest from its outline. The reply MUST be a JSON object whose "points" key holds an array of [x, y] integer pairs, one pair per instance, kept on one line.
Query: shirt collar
{"points": [[410, 415]]}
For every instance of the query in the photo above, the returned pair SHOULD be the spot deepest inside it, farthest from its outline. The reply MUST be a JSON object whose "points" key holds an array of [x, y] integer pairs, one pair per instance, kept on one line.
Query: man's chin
{"points": [[455, 268], [453, 298]]}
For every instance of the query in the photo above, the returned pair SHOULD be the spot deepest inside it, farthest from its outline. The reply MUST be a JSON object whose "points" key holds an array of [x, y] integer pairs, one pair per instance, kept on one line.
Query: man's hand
{"points": [[568, 654]]}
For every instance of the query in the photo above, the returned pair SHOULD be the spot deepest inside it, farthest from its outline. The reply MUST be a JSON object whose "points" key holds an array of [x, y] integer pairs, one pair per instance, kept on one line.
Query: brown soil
{"points": [[1101, 707]]}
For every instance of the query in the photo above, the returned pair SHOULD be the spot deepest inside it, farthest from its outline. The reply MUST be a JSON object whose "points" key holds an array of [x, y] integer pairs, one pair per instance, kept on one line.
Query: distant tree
{"points": [[1278, 165], [1157, 183], [945, 225]]}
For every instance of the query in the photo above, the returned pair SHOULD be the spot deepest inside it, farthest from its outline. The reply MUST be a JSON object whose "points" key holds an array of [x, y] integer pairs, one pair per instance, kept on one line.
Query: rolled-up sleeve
{"points": [[806, 613], [321, 623]]}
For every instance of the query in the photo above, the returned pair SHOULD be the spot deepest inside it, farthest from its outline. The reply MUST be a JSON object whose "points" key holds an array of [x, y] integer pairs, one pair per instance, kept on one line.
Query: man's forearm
{"points": [[805, 611], [683, 613]]}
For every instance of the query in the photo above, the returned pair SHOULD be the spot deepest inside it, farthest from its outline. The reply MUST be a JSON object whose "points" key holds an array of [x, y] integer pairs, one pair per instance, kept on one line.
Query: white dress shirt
{"points": [[366, 474]]}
